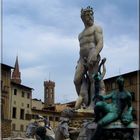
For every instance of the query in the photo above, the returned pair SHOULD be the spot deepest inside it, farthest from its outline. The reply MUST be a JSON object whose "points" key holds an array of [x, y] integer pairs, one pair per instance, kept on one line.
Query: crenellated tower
{"points": [[49, 93]]}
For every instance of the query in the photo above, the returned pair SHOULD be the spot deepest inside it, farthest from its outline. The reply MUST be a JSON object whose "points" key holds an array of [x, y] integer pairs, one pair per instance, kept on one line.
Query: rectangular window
{"points": [[56, 118], [33, 116], [14, 112], [13, 126], [22, 94], [28, 95], [21, 127], [28, 105], [50, 118], [22, 114], [15, 91]]}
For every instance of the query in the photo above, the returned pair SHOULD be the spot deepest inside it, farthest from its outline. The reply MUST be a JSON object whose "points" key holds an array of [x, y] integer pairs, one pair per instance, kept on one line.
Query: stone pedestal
{"points": [[114, 131], [82, 127], [80, 117]]}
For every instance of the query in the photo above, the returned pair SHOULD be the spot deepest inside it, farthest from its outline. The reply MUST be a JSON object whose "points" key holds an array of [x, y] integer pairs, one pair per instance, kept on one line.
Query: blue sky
{"points": [[44, 35]]}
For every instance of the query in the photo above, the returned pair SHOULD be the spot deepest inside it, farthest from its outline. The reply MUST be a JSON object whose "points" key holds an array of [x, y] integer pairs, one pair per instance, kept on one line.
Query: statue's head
{"points": [[87, 15], [120, 82]]}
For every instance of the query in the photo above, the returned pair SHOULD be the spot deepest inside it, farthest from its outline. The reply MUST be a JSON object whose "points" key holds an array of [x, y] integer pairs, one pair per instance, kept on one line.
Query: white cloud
{"points": [[44, 35]]}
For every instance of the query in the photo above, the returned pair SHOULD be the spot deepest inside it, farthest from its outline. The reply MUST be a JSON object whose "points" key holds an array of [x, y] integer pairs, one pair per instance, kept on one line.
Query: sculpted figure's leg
{"points": [[100, 110], [110, 117], [93, 63], [101, 105], [84, 91], [107, 119], [83, 97], [80, 70], [93, 69]]}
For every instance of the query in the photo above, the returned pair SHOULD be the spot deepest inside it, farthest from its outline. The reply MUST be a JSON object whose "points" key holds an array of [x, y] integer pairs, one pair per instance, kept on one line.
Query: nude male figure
{"points": [[91, 44]]}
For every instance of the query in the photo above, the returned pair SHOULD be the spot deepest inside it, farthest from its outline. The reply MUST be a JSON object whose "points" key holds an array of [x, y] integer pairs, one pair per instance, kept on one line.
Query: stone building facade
{"points": [[6, 90], [21, 103], [37, 104], [15, 102], [5, 98]]}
